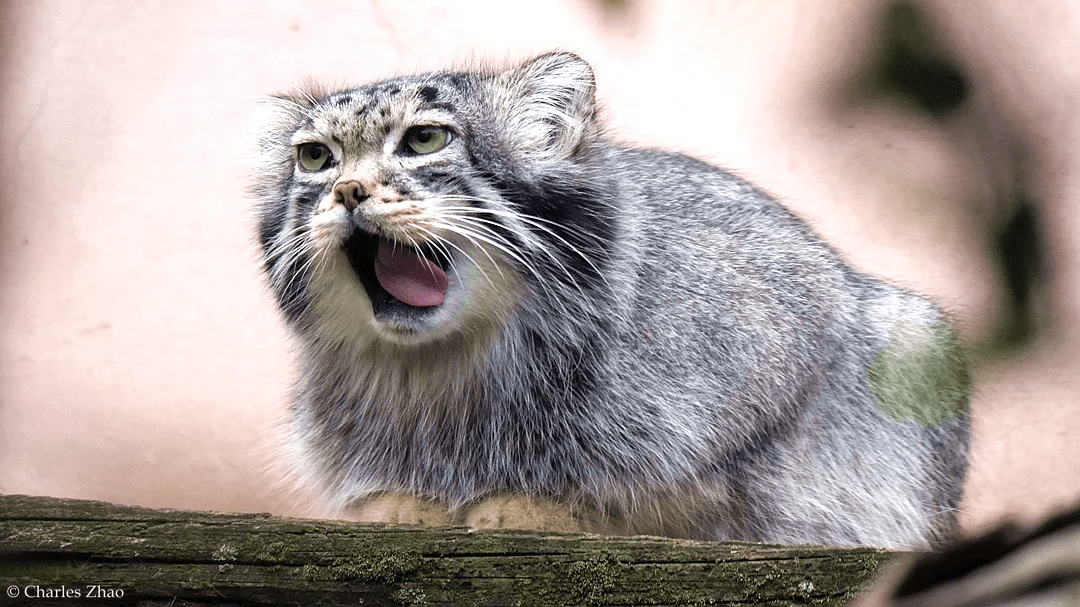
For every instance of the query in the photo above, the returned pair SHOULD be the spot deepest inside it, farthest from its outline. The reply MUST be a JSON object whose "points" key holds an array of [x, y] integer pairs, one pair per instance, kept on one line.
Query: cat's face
{"points": [[387, 210]]}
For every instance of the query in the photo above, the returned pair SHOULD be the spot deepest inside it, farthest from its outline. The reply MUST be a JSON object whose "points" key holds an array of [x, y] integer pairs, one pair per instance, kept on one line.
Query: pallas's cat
{"points": [[506, 319]]}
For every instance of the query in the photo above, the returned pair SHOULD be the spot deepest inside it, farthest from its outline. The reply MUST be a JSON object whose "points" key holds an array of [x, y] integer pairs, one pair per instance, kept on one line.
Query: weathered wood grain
{"points": [[51, 546]]}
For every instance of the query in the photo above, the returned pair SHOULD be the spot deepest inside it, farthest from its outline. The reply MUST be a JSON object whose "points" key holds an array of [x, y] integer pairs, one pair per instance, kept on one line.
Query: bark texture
{"points": [[69, 552]]}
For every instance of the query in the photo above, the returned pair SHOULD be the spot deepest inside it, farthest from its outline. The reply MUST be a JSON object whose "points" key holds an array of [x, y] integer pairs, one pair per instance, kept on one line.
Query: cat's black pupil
{"points": [[424, 135], [315, 152]]}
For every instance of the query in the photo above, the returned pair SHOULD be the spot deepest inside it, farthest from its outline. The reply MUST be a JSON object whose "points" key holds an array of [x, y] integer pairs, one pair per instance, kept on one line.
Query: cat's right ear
{"points": [[548, 105]]}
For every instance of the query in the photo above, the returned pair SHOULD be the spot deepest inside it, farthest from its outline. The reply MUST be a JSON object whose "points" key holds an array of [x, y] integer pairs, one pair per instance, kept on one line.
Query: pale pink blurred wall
{"points": [[142, 361]]}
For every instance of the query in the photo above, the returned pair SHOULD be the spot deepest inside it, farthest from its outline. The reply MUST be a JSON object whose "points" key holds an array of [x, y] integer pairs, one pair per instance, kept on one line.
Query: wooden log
{"points": [[72, 552]]}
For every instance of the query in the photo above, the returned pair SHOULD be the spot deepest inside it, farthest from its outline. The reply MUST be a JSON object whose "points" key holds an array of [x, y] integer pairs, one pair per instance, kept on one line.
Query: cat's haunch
{"points": [[501, 311]]}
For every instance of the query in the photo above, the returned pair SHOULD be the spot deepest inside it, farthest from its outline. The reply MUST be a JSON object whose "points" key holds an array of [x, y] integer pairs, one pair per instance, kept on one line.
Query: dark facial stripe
{"points": [[573, 215], [271, 221], [292, 290], [305, 196]]}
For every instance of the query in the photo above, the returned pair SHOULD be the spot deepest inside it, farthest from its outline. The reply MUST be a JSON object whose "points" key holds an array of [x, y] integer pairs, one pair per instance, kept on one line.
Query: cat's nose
{"points": [[350, 194]]}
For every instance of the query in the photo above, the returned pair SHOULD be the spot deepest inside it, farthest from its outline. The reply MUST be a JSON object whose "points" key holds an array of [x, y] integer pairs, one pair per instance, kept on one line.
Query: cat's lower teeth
{"points": [[410, 277]]}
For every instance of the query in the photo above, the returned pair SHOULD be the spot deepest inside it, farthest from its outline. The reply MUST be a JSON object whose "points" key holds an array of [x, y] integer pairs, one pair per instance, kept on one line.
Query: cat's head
{"points": [[419, 207]]}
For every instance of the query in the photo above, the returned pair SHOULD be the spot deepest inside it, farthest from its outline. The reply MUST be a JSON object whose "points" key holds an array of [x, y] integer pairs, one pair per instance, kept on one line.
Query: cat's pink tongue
{"points": [[410, 277]]}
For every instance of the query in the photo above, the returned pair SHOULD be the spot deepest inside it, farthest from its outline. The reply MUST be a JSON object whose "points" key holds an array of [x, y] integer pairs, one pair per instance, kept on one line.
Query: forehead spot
{"points": [[429, 94]]}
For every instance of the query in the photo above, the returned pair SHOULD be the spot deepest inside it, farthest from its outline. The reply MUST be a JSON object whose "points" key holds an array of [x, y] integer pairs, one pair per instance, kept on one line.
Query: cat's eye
{"points": [[313, 156], [425, 139]]}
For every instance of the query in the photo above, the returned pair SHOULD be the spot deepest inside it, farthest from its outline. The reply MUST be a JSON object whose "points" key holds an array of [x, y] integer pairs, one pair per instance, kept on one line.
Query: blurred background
{"points": [[935, 144]]}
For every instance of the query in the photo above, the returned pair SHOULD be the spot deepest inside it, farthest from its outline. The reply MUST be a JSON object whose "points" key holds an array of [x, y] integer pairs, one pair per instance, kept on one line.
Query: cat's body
{"points": [[635, 333]]}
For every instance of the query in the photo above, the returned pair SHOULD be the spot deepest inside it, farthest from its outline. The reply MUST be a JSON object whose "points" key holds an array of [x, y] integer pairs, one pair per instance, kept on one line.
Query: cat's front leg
{"points": [[399, 509], [520, 511]]}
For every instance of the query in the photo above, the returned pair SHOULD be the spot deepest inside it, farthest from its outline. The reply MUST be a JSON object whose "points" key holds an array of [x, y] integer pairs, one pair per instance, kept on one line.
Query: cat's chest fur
{"points": [[491, 298]]}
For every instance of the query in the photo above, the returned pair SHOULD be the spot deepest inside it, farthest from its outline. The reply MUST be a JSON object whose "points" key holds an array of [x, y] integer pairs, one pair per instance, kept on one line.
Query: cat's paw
{"points": [[515, 511], [399, 509]]}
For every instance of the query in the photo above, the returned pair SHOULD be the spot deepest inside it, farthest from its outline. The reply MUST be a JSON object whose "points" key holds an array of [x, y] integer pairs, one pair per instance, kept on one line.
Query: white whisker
{"points": [[541, 248], [442, 242], [507, 250], [532, 220]]}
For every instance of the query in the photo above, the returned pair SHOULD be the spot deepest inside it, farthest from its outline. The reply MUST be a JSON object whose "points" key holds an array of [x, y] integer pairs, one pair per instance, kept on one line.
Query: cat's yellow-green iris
{"points": [[427, 138], [313, 156]]}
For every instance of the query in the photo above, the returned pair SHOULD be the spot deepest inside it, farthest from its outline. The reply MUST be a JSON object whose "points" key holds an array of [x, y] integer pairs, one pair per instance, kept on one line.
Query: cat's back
{"points": [[680, 190], [717, 260], [736, 306], [746, 319]]}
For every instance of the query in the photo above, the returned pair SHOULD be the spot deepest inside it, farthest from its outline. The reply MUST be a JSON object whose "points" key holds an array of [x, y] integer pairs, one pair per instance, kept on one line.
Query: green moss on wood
{"points": [[382, 566], [257, 559], [596, 576]]}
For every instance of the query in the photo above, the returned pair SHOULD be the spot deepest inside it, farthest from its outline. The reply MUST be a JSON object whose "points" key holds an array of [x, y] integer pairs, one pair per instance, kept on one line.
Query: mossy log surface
{"points": [[120, 555]]}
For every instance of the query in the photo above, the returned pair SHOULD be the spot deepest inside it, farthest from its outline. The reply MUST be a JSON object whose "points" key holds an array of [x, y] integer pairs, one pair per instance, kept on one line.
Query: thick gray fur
{"points": [[667, 346]]}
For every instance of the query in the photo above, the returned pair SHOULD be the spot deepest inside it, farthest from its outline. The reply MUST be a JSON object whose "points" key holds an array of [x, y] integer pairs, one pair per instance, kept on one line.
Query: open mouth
{"points": [[398, 278]]}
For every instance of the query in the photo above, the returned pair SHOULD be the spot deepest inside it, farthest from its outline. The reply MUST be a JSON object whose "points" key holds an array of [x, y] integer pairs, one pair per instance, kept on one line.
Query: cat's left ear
{"points": [[549, 105]]}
